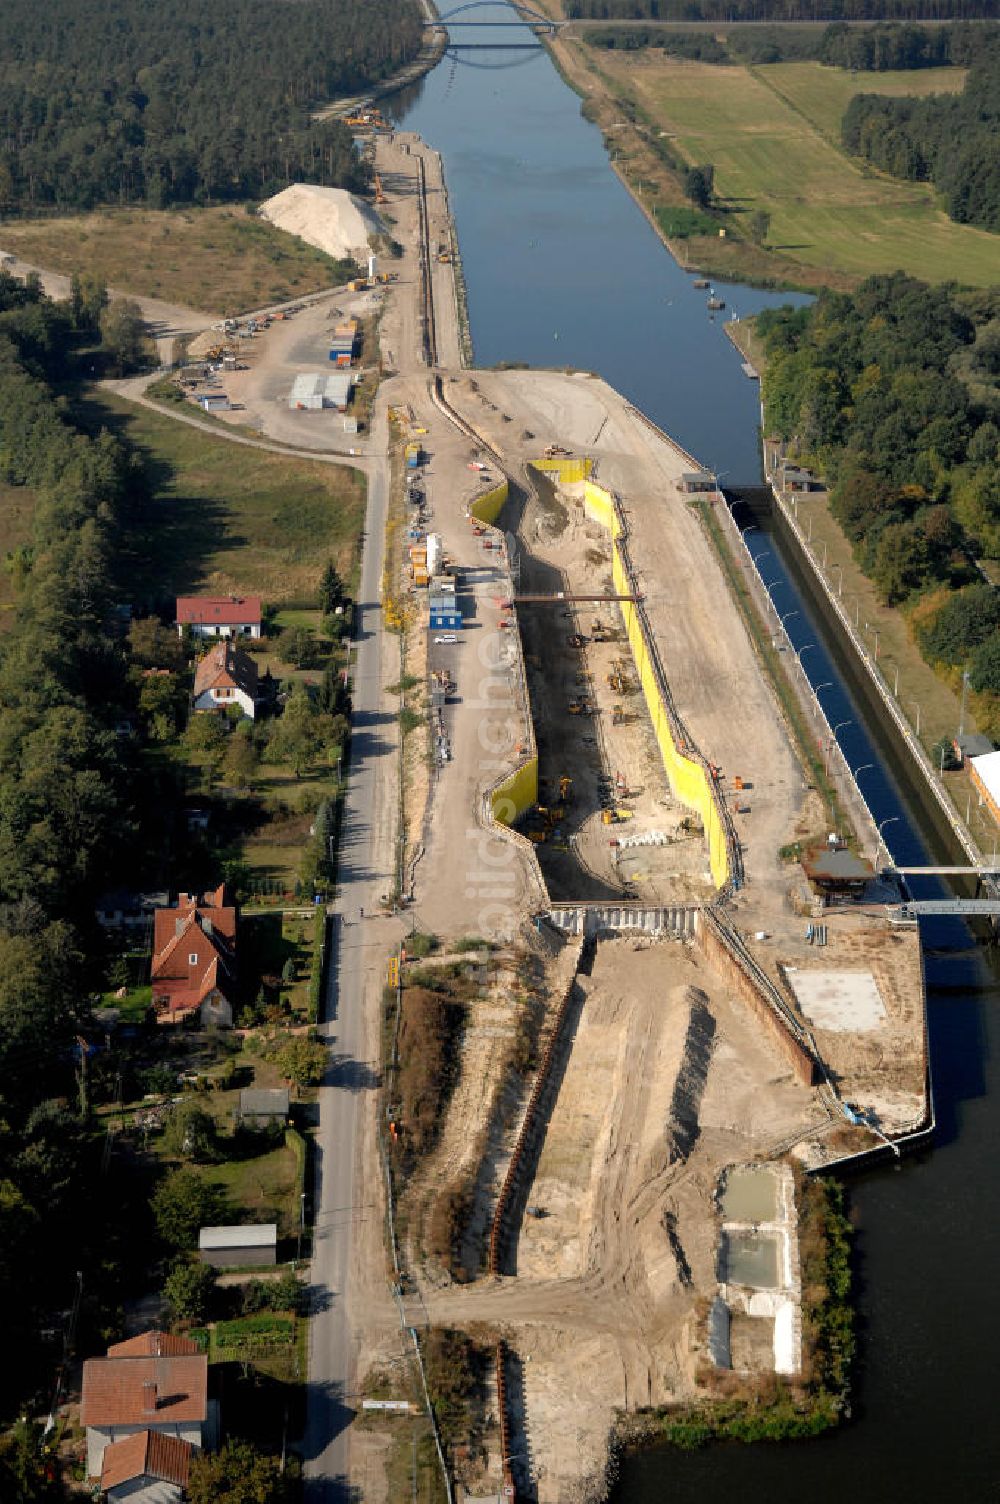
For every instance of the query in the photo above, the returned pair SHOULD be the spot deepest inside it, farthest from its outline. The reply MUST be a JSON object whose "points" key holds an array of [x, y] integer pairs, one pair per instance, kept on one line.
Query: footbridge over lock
{"points": [[593, 919]]}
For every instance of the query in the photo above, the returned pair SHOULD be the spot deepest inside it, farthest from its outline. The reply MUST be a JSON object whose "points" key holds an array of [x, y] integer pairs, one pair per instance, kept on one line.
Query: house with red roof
{"points": [[146, 1396], [194, 959], [219, 615], [227, 676], [146, 1468]]}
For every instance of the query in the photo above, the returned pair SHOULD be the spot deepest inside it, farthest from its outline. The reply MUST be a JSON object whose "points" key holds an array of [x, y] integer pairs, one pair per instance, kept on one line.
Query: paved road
{"points": [[358, 955]]}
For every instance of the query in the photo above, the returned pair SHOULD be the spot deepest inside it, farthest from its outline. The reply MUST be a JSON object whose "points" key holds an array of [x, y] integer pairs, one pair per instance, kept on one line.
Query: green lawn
{"points": [[822, 94], [826, 211], [262, 1189], [226, 518]]}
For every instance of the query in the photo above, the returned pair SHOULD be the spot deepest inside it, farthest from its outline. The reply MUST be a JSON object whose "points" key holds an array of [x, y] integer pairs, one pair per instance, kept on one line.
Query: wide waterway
{"points": [[562, 268]]}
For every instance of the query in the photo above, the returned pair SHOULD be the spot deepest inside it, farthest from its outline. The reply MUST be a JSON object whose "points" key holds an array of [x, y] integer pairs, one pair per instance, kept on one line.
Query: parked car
{"points": [[447, 637]]}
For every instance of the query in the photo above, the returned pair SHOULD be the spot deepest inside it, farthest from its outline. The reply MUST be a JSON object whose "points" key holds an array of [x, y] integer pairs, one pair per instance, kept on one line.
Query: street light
{"points": [[889, 820], [833, 739], [804, 650], [895, 687], [840, 582], [827, 684], [765, 553], [787, 617], [863, 767], [917, 709], [748, 529]]}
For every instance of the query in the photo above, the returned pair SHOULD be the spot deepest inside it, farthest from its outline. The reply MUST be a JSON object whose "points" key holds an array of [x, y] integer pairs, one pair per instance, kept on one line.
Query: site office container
{"points": [[412, 453]]}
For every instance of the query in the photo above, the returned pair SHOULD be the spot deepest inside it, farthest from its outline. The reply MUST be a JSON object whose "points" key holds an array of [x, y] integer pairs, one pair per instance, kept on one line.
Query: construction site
{"points": [[626, 1214]]}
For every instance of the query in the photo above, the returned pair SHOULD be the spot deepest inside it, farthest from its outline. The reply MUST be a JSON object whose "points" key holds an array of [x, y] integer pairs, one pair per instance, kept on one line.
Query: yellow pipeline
{"points": [[688, 779], [486, 508]]}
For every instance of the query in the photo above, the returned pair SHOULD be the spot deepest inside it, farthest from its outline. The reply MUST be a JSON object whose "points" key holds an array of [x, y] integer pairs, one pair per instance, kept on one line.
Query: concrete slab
{"points": [[844, 1001]]}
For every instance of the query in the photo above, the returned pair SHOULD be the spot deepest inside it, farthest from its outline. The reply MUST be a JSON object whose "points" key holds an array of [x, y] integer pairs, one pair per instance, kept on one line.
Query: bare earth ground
{"points": [[666, 1082]]}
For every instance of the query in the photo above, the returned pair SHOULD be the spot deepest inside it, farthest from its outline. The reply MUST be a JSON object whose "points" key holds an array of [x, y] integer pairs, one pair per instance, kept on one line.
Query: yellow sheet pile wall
{"points": [[568, 470], [517, 793], [688, 779], [486, 508]]}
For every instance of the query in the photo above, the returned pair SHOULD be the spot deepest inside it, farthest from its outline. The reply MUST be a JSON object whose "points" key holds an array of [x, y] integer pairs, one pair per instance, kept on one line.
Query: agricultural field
{"points": [[221, 259], [775, 151], [232, 519]]}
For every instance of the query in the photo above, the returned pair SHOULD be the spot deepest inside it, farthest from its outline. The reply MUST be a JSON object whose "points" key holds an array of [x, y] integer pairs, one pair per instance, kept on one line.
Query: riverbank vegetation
{"points": [[119, 101], [737, 1407], [893, 393], [756, 113]]}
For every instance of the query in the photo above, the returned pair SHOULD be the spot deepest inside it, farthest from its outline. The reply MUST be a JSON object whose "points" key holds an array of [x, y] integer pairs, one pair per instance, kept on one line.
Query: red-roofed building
{"points": [[146, 1468], [194, 959], [154, 1345], [226, 676], [127, 1396], [219, 615]]}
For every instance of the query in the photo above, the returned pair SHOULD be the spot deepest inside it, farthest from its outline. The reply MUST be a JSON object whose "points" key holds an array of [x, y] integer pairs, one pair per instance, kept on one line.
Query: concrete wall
{"points": [[689, 780], [726, 964], [568, 471]]}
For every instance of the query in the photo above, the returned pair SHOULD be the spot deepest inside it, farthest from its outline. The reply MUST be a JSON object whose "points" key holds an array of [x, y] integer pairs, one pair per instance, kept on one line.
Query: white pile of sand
{"points": [[331, 219]]}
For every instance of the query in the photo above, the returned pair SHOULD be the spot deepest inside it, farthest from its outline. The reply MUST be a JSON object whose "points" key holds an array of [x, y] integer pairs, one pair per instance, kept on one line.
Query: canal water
{"points": [[562, 269]]}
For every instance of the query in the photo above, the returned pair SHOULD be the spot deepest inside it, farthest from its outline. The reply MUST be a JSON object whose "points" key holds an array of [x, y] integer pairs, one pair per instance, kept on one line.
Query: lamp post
{"points": [[768, 587], [861, 769], [750, 527], [889, 820], [840, 581], [917, 709], [824, 553], [755, 559], [787, 617], [831, 743], [804, 650]]}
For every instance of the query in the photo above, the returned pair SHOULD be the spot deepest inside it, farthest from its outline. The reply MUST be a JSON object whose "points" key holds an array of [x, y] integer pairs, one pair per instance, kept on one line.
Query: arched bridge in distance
{"points": [[525, 16]]}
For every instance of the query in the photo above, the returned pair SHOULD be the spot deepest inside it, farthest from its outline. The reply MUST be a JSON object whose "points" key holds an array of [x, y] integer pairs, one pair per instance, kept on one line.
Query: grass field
{"points": [[822, 94], [826, 211], [230, 519], [222, 260]]}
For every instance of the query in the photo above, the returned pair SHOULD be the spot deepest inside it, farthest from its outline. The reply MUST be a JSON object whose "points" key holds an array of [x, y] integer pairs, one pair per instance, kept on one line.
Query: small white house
{"points": [[219, 615], [226, 676]]}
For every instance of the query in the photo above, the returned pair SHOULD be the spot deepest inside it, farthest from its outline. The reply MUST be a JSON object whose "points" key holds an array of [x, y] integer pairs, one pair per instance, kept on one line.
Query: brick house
{"points": [[194, 959], [152, 1383]]}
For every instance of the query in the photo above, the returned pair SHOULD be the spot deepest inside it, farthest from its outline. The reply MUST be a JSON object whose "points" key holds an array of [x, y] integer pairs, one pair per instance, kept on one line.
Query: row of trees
{"points": [[952, 140], [778, 10], [893, 392], [185, 101], [873, 48]]}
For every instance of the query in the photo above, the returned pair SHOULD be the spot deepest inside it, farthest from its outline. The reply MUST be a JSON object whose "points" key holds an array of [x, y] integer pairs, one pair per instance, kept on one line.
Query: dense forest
{"points": [[184, 100], [780, 10], [67, 804], [893, 392], [869, 49], [952, 141]]}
